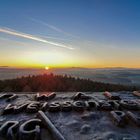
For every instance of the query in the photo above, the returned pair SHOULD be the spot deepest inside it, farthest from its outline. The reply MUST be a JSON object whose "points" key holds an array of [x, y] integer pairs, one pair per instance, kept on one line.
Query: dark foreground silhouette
{"points": [[50, 82]]}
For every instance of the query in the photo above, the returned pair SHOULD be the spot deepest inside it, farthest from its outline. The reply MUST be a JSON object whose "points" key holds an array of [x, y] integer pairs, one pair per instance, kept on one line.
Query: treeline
{"points": [[50, 82]]}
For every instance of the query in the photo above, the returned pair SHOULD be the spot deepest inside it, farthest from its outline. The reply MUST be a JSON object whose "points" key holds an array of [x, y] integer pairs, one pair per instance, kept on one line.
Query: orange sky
{"points": [[69, 34]]}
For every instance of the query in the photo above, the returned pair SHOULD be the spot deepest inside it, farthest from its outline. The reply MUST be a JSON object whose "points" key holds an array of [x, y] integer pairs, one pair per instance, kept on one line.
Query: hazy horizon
{"points": [[124, 76], [44, 68]]}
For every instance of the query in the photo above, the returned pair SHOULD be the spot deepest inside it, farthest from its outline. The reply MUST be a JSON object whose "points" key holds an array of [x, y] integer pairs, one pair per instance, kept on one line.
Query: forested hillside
{"points": [[51, 82]]}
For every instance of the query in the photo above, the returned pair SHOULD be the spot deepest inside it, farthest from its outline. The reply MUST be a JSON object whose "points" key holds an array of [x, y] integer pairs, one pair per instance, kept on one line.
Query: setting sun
{"points": [[46, 68]]}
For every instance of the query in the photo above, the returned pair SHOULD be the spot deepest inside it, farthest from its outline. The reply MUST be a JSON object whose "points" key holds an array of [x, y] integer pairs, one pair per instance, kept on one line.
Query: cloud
{"points": [[32, 37], [53, 28]]}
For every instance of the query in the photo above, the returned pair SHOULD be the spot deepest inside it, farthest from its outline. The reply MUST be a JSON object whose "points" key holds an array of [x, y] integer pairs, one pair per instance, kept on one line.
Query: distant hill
{"points": [[51, 82], [123, 76]]}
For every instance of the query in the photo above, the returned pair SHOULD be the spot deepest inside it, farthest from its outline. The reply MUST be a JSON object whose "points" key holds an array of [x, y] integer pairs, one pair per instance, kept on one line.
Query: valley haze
{"points": [[125, 76]]}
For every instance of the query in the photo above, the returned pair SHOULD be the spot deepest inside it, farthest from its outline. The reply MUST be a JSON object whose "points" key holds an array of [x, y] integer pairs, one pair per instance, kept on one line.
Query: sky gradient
{"points": [[70, 33]]}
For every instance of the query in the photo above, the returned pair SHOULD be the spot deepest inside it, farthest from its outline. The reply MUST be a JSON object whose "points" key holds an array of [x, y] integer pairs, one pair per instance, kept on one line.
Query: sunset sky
{"points": [[70, 33]]}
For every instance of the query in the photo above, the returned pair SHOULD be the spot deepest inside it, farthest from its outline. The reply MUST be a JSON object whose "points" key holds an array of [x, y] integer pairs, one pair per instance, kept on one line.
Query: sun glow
{"points": [[46, 68]]}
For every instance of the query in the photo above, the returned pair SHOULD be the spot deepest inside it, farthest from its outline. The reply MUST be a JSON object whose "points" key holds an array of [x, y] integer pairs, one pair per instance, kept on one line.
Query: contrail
{"points": [[31, 37], [54, 28]]}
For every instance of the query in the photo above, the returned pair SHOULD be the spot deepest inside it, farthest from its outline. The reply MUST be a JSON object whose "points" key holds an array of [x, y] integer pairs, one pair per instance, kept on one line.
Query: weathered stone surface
{"points": [[85, 129], [74, 119]]}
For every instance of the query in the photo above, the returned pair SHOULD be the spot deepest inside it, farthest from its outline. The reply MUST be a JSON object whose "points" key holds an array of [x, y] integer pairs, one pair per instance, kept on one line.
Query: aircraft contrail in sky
{"points": [[32, 37], [54, 28]]}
